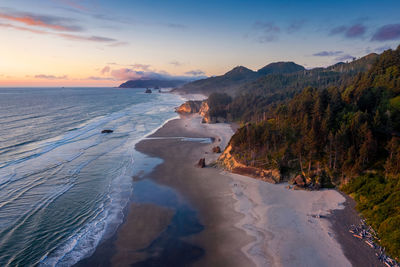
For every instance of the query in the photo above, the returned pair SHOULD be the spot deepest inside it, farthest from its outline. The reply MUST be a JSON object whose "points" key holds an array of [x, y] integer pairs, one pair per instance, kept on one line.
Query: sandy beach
{"points": [[183, 215]]}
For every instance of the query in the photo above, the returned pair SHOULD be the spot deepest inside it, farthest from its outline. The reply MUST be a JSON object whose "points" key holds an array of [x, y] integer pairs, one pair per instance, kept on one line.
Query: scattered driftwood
{"points": [[107, 131], [216, 149], [365, 233], [201, 163]]}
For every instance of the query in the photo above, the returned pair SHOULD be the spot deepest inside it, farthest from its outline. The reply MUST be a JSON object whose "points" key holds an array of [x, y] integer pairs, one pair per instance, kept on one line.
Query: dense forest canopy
{"points": [[341, 131]]}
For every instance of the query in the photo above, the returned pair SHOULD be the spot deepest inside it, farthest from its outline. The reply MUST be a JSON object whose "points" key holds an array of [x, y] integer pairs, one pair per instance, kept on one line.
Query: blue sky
{"points": [[98, 42]]}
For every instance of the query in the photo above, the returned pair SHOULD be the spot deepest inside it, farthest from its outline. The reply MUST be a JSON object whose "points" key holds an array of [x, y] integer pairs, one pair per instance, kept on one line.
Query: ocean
{"points": [[64, 184]]}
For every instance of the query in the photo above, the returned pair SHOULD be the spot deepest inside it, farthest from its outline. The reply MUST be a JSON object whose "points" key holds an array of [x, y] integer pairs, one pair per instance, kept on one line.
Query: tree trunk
{"points": [[301, 164]]}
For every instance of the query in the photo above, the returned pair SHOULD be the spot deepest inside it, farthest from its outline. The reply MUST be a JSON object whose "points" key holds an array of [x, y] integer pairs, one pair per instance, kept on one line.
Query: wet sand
{"points": [[205, 189], [186, 216]]}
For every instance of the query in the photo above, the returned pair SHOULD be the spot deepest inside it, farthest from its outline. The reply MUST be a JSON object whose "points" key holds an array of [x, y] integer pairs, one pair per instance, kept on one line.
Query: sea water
{"points": [[64, 184]]}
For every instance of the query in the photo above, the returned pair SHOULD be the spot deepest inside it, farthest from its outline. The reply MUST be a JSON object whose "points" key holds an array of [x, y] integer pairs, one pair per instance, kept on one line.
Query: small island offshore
{"points": [[182, 133]]}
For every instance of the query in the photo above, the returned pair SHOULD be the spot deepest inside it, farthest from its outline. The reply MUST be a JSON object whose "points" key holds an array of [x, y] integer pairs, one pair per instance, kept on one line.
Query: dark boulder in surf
{"points": [[107, 131], [148, 91]]}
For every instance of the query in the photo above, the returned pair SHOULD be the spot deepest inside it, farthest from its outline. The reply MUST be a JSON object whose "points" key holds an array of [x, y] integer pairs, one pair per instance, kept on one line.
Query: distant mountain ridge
{"points": [[280, 68], [289, 83], [231, 81], [145, 83], [225, 83], [278, 76]]}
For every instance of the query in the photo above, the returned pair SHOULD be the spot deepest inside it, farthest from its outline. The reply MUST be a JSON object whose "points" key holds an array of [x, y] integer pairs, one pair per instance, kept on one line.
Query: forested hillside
{"points": [[231, 82], [342, 131], [255, 98]]}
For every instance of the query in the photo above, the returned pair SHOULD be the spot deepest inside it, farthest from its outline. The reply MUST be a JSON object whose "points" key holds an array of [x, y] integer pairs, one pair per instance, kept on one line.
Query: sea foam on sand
{"points": [[288, 226]]}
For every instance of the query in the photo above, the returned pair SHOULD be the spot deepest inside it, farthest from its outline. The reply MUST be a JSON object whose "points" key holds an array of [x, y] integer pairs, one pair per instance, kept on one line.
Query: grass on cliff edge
{"points": [[378, 200]]}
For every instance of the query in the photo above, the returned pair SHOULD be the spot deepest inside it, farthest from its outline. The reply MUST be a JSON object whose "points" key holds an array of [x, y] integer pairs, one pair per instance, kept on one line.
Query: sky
{"points": [[104, 43]]}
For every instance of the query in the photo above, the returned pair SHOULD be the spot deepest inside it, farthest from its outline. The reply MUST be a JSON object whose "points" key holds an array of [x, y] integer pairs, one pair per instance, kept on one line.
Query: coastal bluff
{"points": [[189, 107], [228, 161]]}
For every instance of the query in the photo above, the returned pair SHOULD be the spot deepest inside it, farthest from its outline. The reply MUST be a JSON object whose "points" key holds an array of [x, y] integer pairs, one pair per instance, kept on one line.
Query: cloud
{"points": [[176, 63], [51, 77], [105, 70], [73, 37], [295, 26], [175, 25], [95, 78], [345, 57], [268, 27], [353, 31], [130, 74], [99, 39], [118, 44], [42, 21], [143, 67], [338, 30], [105, 17], [124, 74], [7, 25], [266, 31], [267, 38], [99, 16], [72, 4], [327, 53], [195, 73], [387, 33], [50, 25], [136, 66]]}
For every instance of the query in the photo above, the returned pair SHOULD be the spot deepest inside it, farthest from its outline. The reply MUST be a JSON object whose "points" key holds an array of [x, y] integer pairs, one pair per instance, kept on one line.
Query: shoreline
{"points": [[229, 235]]}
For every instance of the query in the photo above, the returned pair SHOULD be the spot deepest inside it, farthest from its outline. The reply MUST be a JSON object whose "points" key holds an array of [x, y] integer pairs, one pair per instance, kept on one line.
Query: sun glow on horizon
{"points": [[98, 43]]}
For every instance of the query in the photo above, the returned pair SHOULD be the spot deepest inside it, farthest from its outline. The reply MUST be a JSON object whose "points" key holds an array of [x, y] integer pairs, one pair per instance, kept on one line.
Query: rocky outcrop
{"points": [[299, 180], [228, 161], [189, 107], [314, 180], [216, 149], [148, 91], [201, 163], [205, 113]]}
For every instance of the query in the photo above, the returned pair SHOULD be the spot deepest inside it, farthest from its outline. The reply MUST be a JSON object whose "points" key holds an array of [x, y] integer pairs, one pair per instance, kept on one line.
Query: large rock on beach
{"points": [[299, 180], [201, 163], [216, 149]]}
